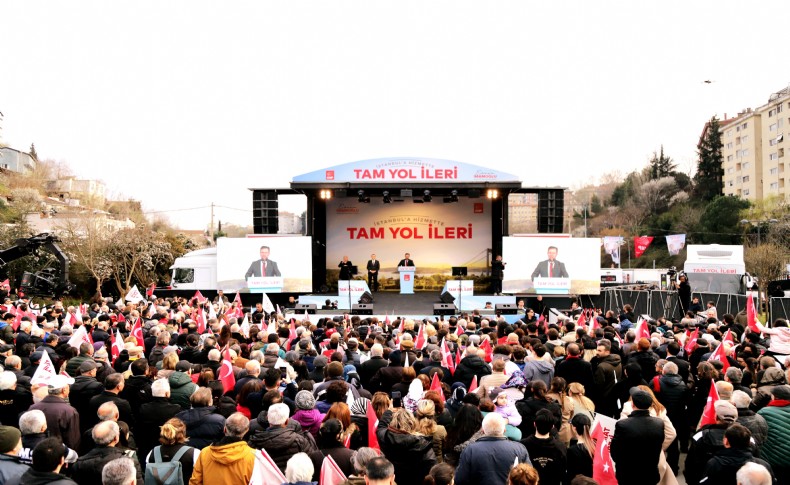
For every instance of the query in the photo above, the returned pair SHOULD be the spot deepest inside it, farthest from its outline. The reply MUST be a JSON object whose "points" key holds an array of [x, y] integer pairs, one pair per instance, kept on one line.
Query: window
{"points": [[781, 152], [745, 178], [771, 112], [729, 145], [745, 138], [729, 158], [745, 191], [745, 165], [774, 171], [743, 126], [745, 152], [772, 127], [730, 184], [773, 141], [730, 170], [774, 185], [184, 275], [773, 156], [780, 122], [738, 141], [729, 133]]}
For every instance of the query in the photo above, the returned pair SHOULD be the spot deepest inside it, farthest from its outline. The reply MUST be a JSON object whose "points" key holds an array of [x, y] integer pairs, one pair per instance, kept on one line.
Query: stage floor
{"points": [[419, 303]]}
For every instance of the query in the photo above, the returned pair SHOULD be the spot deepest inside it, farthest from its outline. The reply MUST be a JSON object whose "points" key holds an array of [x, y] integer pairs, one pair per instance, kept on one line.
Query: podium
{"points": [[406, 279]]}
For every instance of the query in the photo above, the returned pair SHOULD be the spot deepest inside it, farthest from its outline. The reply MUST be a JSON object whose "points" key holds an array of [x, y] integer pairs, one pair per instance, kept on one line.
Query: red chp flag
{"points": [[641, 244]]}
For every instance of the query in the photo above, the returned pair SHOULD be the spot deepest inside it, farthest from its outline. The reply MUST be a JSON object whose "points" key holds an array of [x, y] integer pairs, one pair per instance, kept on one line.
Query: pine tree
{"points": [[661, 165], [33, 153], [708, 181]]}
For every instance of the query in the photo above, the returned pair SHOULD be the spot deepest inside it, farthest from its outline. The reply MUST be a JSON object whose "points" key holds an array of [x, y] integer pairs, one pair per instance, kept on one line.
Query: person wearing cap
{"points": [[10, 444], [723, 466], [85, 387], [708, 441], [637, 441], [776, 449], [63, 421]]}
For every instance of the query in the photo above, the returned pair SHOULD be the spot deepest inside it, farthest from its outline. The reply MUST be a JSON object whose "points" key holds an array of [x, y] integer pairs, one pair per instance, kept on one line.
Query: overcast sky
{"points": [[182, 103]]}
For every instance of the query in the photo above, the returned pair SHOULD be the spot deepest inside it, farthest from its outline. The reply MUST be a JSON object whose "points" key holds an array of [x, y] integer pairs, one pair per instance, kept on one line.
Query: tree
{"points": [[661, 165], [595, 205], [33, 153], [89, 245], [721, 221], [708, 181], [137, 254], [766, 261], [656, 194]]}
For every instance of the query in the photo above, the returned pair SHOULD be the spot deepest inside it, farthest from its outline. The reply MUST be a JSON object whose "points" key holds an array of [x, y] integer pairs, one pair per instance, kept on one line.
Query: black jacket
{"points": [[82, 391], [32, 477], [528, 408], [385, 378], [673, 394], [635, 448], [705, 444], [137, 391], [368, 369], [204, 426], [411, 454], [577, 370], [579, 462], [647, 361], [124, 408], [471, 366], [282, 443], [151, 416], [721, 469], [548, 456], [14, 402], [87, 470]]}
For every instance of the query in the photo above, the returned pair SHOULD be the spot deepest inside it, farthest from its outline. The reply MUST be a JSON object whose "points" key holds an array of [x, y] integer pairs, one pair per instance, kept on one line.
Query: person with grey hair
{"points": [[360, 462], [735, 376], [299, 470], [152, 415], [120, 471], [672, 392], [489, 459], [33, 425], [283, 438], [14, 399], [229, 460], [368, 369], [750, 419], [753, 474], [106, 412], [88, 468], [63, 421]]}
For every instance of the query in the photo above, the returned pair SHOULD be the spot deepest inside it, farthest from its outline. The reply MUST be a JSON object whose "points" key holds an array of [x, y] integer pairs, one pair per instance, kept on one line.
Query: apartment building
{"points": [[755, 166]]}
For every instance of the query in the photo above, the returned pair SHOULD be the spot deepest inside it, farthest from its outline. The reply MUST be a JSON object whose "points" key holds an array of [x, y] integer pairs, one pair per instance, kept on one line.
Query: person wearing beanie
{"points": [[10, 445], [306, 414], [637, 442]]}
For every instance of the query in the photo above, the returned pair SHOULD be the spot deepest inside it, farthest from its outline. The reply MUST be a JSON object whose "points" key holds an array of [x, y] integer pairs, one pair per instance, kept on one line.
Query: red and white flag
{"points": [[79, 336], [709, 414], [331, 474], [117, 345], [199, 297], [720, 355], [751, 313], [582, 321], [265, 470], [691, 341], [473, 385], [45, 370], [137, 332], [641, 244], [642, 329], [447, 356], [603, 465], [437, 386], [244, 328], [421, 341], [486, 346], [226, 372], [373, 423], [134, 295]]}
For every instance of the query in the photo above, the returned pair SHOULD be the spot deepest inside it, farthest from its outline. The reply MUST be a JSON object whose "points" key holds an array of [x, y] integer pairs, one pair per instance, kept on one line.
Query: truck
{"points": [[715, 268]]}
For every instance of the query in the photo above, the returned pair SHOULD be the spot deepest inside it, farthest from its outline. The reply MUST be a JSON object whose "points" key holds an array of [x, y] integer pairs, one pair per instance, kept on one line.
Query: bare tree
{"points": [[766, 261], [88, 243]]}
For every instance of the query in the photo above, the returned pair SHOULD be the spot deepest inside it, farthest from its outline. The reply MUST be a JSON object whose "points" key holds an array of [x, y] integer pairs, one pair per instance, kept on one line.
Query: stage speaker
{"points": [[444, 309], [446, 297], [362, 309], [366, 298], [265, 214], [506, 308], [305, 307], [550, 211]]}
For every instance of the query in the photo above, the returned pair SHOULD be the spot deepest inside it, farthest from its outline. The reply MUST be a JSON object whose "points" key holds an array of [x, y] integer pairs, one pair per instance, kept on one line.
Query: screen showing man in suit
{"points": [[263, 266], [406, 261], [550, 268]]}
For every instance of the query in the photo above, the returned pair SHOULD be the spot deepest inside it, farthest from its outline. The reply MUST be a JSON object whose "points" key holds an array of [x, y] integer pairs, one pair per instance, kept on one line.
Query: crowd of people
{"points": [[119, 393]]}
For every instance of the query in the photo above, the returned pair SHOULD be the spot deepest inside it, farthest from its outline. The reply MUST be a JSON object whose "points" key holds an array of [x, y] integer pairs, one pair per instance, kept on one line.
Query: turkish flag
{"points": [[641, 244], [331, 474], [373, 423], [691, 341], [751, 313], [268, 471], [226, 372], [448, 357], [709, 414], [117, 345], [721, 356], [486, 345], [437, 386], [582, 321], [137, 332], [603, 466], [421, 341], [473, 385]]}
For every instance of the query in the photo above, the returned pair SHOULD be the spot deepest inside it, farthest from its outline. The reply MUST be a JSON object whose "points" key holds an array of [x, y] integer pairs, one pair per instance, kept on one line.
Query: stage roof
{"points": [[405, 171]]}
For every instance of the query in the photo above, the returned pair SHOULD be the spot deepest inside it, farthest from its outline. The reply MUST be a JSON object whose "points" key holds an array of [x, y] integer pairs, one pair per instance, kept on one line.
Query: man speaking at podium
{"points": [[406, 261], [550, 268], [263, 266]]}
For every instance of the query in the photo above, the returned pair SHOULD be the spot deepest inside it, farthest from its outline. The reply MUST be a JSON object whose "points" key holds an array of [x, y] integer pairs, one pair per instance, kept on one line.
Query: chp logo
{"points": [[330, 175]]}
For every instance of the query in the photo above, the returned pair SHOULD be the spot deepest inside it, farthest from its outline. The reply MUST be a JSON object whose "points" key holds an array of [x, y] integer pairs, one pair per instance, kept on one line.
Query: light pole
{"points": [[759, 224]]}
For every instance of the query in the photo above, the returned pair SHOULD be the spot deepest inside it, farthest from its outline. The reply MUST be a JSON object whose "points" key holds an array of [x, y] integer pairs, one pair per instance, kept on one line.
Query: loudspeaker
{"points": [[446, 297], [506, 308], [305, 307], [265, 212], [362, 309], [459, 270], [444, 309], [550, 211], [366, 298]]}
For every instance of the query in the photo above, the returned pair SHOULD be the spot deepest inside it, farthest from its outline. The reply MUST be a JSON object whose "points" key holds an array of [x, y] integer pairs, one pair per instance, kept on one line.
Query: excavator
{"points": [[50, 281]]}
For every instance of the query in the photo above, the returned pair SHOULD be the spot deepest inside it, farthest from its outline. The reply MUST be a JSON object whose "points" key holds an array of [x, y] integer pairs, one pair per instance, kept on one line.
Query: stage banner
{"points": [[437, 236], [258, 264], [547, 265]]}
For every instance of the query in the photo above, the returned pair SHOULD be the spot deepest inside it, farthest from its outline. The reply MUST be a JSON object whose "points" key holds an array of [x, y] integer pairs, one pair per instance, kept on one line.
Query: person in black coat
{"points": [[113, 385], [721, 469], [152, 415], [708, 442], [411, 453], [672, 392], [684, 294], [369, 368], [88, 468], [137, 389], [636, 444], [345, 269], [85, 387], [575, 369], [471, 366], [386, 377], [581, 450], [546, 452]]}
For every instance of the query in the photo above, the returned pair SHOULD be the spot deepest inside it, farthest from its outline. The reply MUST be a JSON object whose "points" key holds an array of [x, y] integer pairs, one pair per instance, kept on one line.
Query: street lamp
{"points": [[759, 224]]}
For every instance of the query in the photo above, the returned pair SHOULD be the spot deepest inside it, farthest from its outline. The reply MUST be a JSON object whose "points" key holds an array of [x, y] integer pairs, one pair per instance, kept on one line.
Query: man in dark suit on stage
{"points": [[497, 274], [263, 266], [550, 268], [373, 273], [406, 261], [345, 269]]}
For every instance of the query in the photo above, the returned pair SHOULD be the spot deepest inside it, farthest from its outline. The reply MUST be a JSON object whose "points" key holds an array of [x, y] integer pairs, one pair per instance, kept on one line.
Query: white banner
{"points": [[675, 243]]}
